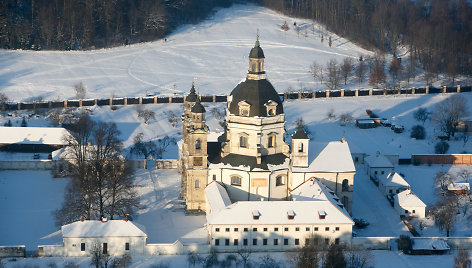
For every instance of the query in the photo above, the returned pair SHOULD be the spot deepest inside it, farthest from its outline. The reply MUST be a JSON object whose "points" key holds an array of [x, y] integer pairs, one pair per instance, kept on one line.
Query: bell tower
{"points": [[256, 62], [300, 148]]}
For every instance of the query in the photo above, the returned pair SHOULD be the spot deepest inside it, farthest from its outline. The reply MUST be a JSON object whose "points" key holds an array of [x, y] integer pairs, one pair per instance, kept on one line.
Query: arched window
{"points": [[243, 141], [271, 141], [345, 185], [280, 180], [271, 112], [300, 147], [253, 66], [235, 180], [197, 184], [198, 144]]}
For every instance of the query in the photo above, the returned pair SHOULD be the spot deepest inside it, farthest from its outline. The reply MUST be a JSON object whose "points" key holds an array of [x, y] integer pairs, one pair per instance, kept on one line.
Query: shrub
{"points": [[405, 244], [441, 147], [360, 223], [418, 132]]}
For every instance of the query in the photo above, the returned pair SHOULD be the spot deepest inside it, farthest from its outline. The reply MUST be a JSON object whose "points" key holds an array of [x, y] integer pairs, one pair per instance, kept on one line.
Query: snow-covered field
{"points": [[381, 259], [214, 53]]}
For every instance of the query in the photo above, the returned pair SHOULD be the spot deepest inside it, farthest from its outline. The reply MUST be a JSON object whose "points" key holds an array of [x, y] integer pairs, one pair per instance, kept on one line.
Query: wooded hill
{"points": [[438, 32]]}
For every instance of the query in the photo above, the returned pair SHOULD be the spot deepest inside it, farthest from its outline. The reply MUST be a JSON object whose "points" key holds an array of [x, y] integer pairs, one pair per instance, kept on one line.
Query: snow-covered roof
{"points": [[408, 199], [378, 161], [394, 179], [459, 186], [313, 190], [275, 212], [334, 156], [95, 228], [213, 136], [430, 244], [217, 196], [355, 149], [32, 135]]}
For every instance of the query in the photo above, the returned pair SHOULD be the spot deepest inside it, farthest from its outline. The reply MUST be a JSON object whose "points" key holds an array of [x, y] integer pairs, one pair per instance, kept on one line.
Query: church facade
{"points": [[251, 158]]}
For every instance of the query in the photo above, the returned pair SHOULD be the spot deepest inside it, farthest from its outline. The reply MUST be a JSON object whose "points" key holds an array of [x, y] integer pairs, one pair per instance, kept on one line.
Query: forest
{"points": [[437, 32]]}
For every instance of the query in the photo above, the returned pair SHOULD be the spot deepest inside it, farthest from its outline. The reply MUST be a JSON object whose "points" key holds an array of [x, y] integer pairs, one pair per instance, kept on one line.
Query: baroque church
{"points": [[251, 159]]}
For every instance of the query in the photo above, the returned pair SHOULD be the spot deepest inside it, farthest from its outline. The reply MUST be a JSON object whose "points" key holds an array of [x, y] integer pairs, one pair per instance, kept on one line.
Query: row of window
{"points": [[104, 247], [276, 229], [244, 138], [237, 180], [265, 241]]}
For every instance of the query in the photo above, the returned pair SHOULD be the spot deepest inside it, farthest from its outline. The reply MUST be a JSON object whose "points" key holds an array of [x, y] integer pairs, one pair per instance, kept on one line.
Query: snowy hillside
{"points": [[213, 53]]}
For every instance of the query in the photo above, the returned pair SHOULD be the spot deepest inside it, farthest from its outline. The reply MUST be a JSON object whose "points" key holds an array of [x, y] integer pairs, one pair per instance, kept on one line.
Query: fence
{"points": [[12, 251], [26, 165], [223, 98], [452, 159]]}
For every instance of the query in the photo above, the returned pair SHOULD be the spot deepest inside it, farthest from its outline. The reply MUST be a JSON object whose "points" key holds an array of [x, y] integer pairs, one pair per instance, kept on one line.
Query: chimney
{"points": [[343, 139], [104, 219], [126, 217]]}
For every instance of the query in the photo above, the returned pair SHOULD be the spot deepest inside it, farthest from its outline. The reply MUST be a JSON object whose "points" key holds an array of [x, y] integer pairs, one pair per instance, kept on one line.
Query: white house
{"points": [[392, 184], [459, 187], [277, 225], [407, 203], [113, 237], [377, 166]]}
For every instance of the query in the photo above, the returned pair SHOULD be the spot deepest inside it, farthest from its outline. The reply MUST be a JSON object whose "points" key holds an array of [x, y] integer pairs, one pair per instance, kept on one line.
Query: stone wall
{"points": [[12, 251]]}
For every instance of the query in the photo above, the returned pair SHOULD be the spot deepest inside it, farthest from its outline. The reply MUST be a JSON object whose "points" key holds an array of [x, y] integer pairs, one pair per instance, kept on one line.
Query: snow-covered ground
{"points": [[381, 259], [214, 53], [27, 200]]}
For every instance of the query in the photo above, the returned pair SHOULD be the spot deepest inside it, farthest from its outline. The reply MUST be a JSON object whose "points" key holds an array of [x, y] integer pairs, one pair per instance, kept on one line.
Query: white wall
{"points": [[420, 212], [115, 245]]}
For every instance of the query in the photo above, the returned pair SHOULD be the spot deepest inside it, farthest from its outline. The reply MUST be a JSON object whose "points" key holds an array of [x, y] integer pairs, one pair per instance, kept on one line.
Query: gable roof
{"points": [[394, 179], [32, 135], [217, 196], [378, 161], [333, 156], [95, 228], [408, 199]]}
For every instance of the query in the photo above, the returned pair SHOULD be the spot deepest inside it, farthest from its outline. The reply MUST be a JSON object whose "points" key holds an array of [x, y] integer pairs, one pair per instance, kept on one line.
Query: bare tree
{"points": [[99, 258], [410, 71], [80, 90], [361, 70], [146, 115], [141, 147], [333, 80], [346, 68], [358, 258], [442, 180], [245, 255], [172, 118], [345, 118], [377, 74], [445, 212], [429, 77], [395, 70], [421, 115], [317, 71], [310, 255], [462, 259], [330, 114], [3, 101], [448, 113]]}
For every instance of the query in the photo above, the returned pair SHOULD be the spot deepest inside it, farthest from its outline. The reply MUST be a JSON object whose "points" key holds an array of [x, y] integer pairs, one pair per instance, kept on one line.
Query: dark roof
{"points": [[300, 133], [236, 160], [256, 93], [198, 107], [256, 51], [192, 96]]}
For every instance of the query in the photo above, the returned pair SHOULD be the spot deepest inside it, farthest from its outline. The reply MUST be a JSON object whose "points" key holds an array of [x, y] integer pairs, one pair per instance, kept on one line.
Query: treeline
{"points": [[84, 24], [437, 32]]}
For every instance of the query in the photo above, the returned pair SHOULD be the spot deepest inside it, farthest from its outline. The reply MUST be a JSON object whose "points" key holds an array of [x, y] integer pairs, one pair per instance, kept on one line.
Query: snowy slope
{"points": [[214, 53]]}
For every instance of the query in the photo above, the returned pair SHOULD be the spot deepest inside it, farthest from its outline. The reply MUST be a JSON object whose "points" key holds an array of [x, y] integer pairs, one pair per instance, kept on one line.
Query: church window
{"points": [[345, 185], [271, 141], [197, 161], [253, 66], [198, 144], [279, 180], [243, 141], [300, 147], [271, 112], [236, 180], [197, 184]]}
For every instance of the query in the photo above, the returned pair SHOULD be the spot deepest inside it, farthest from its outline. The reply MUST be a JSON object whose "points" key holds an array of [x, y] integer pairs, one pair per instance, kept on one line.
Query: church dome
{"points": [[256, 93], [198, 108], [256, 51]]}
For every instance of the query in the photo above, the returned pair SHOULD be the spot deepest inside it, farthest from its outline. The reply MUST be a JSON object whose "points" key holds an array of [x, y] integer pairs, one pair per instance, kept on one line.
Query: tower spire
{"points": [[257, 39]]}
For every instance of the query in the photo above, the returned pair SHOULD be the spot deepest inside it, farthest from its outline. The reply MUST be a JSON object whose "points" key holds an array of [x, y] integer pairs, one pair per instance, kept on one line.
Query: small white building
{"points": [[113, 237], [276, 225], [459, 188], [377, 166], [407, 203], [392, 184]]}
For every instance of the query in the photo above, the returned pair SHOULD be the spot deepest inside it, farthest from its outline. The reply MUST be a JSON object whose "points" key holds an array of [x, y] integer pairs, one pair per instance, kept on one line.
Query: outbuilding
{"points": [[407, 203]]}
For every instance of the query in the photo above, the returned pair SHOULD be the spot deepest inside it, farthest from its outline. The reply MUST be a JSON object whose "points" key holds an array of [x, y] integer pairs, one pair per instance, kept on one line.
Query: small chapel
{"points": [[251, 160]]}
